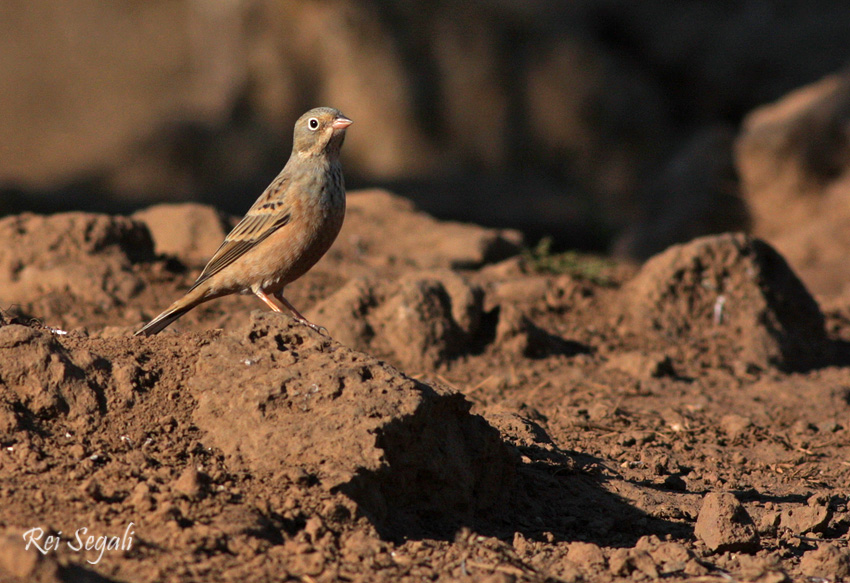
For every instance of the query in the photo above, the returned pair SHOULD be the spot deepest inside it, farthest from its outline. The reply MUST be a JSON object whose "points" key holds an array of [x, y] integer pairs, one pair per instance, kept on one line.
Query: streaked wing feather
{"points": [[260, 222]]}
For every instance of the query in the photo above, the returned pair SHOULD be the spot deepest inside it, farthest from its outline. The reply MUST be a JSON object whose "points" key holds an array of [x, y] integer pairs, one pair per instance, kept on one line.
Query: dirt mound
{"points": [[735, 293], [789, 151], [85, 256], [277, 395], [381, 231], [388, 228], [559, 439], [795, 178], [192, 232], [420, 320], [76, 269]]}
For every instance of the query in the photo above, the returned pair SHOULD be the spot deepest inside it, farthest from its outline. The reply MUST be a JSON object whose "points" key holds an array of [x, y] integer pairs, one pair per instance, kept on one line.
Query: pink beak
{"points": [[341, 123]]}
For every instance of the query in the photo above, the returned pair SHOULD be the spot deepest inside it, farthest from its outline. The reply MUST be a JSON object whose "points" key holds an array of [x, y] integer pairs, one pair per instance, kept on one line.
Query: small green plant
{"points": [[580, 266]]}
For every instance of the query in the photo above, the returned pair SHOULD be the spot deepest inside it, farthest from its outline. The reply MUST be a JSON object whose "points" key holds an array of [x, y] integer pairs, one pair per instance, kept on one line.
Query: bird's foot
{"points": [[320, 329]]}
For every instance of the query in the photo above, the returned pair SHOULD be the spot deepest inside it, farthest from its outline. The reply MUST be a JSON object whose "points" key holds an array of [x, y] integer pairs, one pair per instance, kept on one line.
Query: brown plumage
{"points": [[286, 231]]}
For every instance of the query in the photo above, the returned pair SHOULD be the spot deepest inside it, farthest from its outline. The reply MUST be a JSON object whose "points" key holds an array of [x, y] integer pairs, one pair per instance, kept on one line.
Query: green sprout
{"points": [[578, 265]]}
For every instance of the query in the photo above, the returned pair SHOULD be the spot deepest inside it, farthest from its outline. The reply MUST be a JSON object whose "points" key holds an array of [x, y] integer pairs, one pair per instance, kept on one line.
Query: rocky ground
{"points": [[479, 412]]}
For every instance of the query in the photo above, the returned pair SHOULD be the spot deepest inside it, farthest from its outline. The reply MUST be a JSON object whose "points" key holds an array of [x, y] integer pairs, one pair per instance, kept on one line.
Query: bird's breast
{"points": [[317, 217]]}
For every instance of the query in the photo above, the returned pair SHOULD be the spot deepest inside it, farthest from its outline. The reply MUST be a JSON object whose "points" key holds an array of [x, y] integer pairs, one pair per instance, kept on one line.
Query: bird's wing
{"points": [[266, 216]]}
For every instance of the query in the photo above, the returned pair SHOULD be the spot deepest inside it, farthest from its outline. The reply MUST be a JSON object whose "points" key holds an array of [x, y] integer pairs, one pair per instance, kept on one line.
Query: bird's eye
{"points": [[313, 123]]}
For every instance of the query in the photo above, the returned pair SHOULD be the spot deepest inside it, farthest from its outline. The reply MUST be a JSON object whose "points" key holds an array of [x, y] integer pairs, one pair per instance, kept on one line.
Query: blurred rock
{"points": [[794, 160], [190, 483], [190, 232], [586, 554], [389, 228], [735, 425], [789, 151]]}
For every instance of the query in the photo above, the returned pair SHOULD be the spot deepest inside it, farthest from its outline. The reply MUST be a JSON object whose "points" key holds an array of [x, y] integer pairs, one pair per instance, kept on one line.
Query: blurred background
{"points": [[609, 125]]}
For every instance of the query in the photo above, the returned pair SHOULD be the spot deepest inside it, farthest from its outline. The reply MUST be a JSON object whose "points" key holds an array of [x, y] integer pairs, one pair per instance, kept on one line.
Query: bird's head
{"points": [[320, 131]]}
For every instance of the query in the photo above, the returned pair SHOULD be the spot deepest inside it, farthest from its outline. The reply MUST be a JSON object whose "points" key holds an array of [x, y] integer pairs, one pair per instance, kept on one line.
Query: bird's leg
{"points": [[298, 316], [267, 300]]}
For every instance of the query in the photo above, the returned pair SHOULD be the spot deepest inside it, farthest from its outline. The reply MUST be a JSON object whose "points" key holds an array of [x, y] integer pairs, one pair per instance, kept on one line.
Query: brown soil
{"points": [[470, 418]]}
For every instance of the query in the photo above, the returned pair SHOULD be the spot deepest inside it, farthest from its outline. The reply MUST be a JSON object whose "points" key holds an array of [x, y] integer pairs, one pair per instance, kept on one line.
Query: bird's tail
{"points": [[173, 312]]}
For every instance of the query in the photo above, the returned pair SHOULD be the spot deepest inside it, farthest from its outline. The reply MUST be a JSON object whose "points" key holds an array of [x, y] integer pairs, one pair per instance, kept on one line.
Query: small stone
{"points": [[308, 564], [802, 427], [647, 542], [694, 568], [643, 562], [586, 555], [829, 427], [190, 483], [739, 459], [298, 475], [92, 489], [734, 425], [724, 525], [24, 564], [625, 561], [764, 569], [803, 519], [359, 546], [641, 365], [141, 498], [314, 528], [673, 557], [768, 523], [520, 544], [827, 562], [620, 564]]}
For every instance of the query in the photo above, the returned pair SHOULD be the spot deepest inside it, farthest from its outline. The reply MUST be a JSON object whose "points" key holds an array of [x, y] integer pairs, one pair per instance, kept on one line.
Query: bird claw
{"points": [[320, 329]]}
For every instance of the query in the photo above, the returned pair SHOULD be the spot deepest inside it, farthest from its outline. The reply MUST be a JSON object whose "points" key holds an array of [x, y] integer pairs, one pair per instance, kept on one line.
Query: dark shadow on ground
{"points": [[492, 487]]}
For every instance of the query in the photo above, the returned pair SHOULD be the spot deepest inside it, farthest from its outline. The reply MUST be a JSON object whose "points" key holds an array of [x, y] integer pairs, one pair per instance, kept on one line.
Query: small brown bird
{"points": [[284, 233]]}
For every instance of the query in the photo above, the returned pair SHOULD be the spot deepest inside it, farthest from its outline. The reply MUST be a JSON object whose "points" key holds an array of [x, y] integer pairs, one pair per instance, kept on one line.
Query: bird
{"points": [[285, 232]]}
